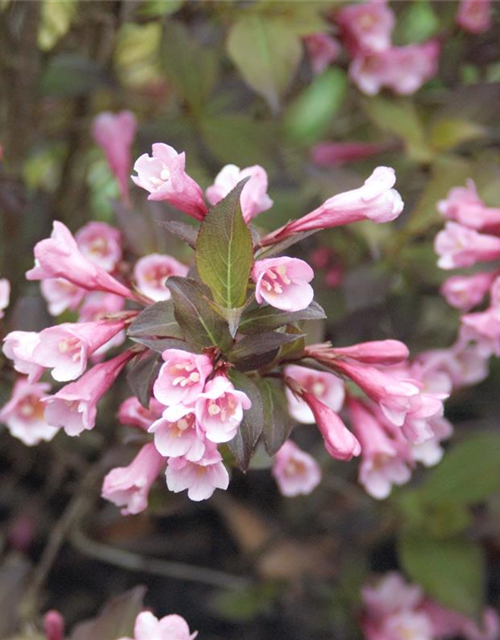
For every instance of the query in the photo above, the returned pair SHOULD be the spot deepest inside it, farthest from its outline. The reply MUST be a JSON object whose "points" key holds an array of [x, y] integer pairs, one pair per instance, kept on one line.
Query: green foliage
{"points": [[57, 16], [267, 317], [243, 444], [277, 420]]}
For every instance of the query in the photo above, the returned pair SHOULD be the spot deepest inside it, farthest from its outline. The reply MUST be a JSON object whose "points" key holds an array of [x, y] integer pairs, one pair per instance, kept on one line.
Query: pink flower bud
{"points": [[474, 16], [458, 246], [325, 386], [60, 257], [129, 487], [340, 443], [132, 413], [461, 204], [334, 154], [163, 175], [4, 295], [367, 26], [383, 352], [253, 199], [66, 348], [151, 272], [322, 50], [53, 625], [61, 295], [74, 407], [115, 133], [283, 283], [100, 243], [178, 434], [219, 409], [295, 471], [19, 347], [172, 627], [200, 478], [466, 292], [182, 377], [24, 413]]}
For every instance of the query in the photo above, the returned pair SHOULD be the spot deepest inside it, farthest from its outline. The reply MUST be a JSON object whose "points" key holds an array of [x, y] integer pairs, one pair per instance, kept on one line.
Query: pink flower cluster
{"points": [[472, 236], [395, 610], [172, 627]]}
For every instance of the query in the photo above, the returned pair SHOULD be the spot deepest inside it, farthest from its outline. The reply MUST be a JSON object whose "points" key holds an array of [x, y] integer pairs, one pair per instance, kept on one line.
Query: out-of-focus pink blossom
{"points": [[464, 363], [128, 487], [253, 199], [151, 272], [340, 443], [367, 26], [382, 352], [485, 324], [321, 258], [53, 625], [66, 348], [98, 305], [376, 200], [219, 409], [172, 627], [200, 478], [448, 624], [177, 434], [283, 283], [295, 471], [74, 407], [322, 50], [60, 257], [327, 387], [334, 154], [4, 295], [334, 277], [474, 16], [163, 175], [19, 347], [132, 413], [61, 295], [24, 413], [430, 452], [115, 133], [391, 594], [459, 246], [383, 462], [182, 377], [464, 205], [466, 292], [417, 426], [100, 243]]}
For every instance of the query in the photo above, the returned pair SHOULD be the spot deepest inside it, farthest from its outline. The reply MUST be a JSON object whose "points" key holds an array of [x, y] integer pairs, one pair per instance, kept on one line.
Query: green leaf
{"points": [[277, 420], [469, 473], [417, 23], [243, 444], [158, 8], [269, 317], [224, 252], [142, 375], [185, 232], [267, 53], [451, 570], [449, 133], [279, 247], [70, 75], [309, 117], [156, 320], [200, 324], [256, 344], [57, 16]]}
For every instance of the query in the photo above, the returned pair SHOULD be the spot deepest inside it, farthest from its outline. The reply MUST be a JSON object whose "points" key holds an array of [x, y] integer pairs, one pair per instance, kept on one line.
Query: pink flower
{"points": [[200, 478], [151, 272], [66, 348], [391, 594], [53, 625], [376, 200], [325, 386], [132, 413], [172, 627], [129, 487], [334, 154], [19, 347], [219, 409], [100, 243], [4, 295], [163, 175], [459, 246], [60, 257], [98, 305], [383, 352], [430, 452], [61, 295], [369, 71], [367, 26], [466, 292], [417, 426], [295, 471], [74, 407], [283, 283], [474, 16], [447, 623], [485, 324], [383, 461], [253, 199], [465, 206], [340, 443], [182, 377], [115, 133], [322, 50], [178, 434], [23, 413]]}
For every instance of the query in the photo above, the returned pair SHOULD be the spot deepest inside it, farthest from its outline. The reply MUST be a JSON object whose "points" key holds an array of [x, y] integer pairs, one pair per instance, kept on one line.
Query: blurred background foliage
{"points": [[230, 82]]}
